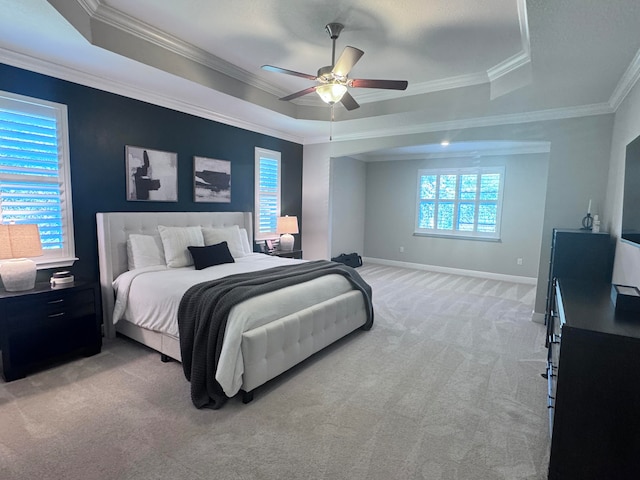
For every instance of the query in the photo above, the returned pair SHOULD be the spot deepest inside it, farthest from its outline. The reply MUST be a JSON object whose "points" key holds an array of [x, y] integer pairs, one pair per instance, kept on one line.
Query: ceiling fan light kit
{"points": [[331, 92], [333, 81]]}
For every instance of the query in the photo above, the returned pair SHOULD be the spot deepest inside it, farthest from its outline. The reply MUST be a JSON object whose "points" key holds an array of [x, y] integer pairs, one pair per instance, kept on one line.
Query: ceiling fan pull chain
{"points": [[331, 125]]}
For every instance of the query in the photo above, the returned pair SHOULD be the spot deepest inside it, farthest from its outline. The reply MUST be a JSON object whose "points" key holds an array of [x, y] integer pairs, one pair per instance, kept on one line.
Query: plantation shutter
{"points": [[34, 180], [267, 193]]}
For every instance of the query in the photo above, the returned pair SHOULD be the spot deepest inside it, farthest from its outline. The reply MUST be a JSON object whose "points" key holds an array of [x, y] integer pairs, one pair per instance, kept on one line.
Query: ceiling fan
{"points": [[333, 80]]}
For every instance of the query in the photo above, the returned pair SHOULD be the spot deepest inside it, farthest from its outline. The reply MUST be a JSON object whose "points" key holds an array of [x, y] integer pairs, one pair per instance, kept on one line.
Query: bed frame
{"points": [[268, 350]]}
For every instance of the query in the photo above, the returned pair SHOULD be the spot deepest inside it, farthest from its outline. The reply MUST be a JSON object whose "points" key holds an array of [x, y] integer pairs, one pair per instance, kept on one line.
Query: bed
{"points": [[265, 335]]}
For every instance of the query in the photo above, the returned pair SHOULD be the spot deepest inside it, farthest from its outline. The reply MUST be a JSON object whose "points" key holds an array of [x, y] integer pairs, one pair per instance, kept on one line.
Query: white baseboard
{"points": [[454, 271]]}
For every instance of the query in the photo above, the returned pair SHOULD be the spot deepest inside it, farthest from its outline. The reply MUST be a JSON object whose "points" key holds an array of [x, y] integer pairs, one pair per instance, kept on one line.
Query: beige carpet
{"points": [[445, 386]]}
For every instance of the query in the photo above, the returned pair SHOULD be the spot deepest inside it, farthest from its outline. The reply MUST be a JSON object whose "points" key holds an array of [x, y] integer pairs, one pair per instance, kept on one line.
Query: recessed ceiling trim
{"points": [[89, 6], [508, 119], [112, 17], [66, 73], [439, 85], [108, 85], [99, 11], [519, 149], [521, 58], [628, 80]]}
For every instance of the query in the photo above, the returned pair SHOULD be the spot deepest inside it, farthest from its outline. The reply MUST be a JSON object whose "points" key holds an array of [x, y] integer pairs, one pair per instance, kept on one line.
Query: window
{"points": [[35, 185], [267, 196], [463, 202]]}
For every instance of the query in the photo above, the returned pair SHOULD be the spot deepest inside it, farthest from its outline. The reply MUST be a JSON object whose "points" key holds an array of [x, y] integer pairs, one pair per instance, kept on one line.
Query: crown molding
{"points": [[520, 148], [479, 122], [76, 76], [626, 83], [103, 13], [89, 6], [119, 88], [521, 58], [99, 11], [511, 64], [432, 86]]}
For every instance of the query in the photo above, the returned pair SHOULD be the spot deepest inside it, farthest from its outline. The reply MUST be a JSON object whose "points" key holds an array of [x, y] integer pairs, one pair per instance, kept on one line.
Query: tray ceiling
{"points": [[465, 61]]}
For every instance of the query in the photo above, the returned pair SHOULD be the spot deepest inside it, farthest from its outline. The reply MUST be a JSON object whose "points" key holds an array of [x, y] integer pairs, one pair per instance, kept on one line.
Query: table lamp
{"points": [[286, 226], [16, 242]]}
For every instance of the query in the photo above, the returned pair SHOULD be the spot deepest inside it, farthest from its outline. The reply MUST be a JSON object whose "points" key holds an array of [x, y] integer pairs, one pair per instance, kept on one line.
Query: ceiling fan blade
{"points": [[299, 94], [271, 68], [348, 58], [349, 102], [386, 84]]}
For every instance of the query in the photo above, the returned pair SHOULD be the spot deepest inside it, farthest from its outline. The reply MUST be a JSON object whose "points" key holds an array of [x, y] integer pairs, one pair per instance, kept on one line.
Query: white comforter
{"points": [[149, 297]]}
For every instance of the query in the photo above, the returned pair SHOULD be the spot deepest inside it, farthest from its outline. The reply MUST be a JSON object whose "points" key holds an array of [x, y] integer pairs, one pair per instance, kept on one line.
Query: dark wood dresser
{"points": [[594, 385], [579, 254]]}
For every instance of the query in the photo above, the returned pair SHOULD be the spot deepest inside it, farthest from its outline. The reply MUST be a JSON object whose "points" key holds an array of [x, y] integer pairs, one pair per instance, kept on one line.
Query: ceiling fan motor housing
{"points": [[326, 75]]}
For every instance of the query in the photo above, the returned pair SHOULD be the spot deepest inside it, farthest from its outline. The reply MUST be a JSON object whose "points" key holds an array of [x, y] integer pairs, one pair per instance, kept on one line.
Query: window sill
{"points": [[457, 237], [43, 264]]}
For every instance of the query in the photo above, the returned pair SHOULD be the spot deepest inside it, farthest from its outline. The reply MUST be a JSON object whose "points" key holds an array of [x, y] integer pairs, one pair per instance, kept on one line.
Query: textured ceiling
{"points": [[464, 60]]}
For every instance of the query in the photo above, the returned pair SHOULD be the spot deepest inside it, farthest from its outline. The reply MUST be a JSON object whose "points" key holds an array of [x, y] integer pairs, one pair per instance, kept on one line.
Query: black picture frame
{"points": [[211, 180], [152, 175]]}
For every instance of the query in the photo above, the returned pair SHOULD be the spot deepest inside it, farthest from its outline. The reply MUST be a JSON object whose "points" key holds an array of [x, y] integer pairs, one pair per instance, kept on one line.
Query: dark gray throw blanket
{"points": [[204, 310]]}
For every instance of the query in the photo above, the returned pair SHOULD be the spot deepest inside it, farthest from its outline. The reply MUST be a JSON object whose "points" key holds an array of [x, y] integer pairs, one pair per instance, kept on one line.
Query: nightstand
{"points": [[43, 325], [290, 254]]}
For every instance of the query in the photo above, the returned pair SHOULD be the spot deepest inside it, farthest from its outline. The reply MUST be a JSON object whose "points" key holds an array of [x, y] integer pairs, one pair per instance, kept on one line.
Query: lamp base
{"points": [[18, 274], [286, 242]]}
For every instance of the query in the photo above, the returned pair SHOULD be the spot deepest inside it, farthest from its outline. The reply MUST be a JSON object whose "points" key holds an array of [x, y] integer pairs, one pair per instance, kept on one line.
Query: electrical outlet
{"points": [[519, 261], [401, 249]]}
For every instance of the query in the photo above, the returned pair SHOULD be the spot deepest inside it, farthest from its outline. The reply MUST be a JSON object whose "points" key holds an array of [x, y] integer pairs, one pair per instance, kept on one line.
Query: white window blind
{"points": [[35, 183], [462, 202], [267, 195]]}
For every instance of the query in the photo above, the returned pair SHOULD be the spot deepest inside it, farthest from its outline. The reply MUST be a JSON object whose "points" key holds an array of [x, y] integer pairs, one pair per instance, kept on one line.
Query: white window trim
{"points": [[274, 155], [66, 257], [489, 236]]}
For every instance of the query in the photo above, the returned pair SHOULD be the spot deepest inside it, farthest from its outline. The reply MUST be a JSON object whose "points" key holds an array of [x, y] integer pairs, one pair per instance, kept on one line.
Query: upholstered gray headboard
{"points": [[115, 227]]}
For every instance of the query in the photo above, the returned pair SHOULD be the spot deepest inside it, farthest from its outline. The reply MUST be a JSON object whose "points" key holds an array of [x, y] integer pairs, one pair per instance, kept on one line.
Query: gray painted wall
{"points": [[316, 229], [578, 167], [391, 210], [348, 190]]}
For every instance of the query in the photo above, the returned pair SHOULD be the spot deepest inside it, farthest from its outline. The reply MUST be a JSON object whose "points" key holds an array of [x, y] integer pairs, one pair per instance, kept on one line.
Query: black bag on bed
{"points": [[350, 259]]}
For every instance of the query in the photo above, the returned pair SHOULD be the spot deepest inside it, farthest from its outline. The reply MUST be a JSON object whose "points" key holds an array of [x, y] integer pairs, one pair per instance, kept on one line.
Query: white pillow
{"points": [[244, 236], [231, 235], [175, 241], [144, 251]]}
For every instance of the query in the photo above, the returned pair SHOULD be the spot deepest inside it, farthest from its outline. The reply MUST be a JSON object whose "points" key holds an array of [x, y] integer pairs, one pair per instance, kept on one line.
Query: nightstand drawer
{"points": [[43, 325], [50, 303], [40, 316], [33, 342]]}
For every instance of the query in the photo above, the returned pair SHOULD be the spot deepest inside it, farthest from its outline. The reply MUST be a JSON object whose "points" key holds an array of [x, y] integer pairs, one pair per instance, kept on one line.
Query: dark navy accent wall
{"points": [[102, 123]]}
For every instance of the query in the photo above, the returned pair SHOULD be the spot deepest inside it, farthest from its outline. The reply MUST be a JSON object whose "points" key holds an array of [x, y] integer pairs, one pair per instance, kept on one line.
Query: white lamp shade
{"points": [[17, 241], [286, 226]]}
